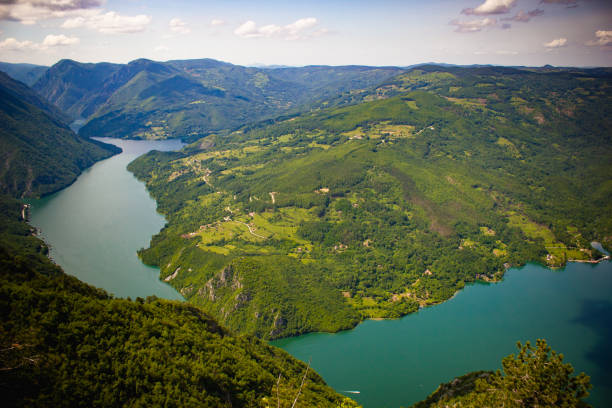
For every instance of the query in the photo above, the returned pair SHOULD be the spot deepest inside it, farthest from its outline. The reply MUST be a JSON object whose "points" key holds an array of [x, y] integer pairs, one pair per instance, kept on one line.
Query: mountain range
{"points": [[309, 199], [190, 98], [26, 73], [391, 199], [39, 152]]}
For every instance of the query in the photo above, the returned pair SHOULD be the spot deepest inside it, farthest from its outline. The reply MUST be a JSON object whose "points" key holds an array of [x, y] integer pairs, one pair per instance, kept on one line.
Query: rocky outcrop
{"points": [[226, 278], [279, 324]]}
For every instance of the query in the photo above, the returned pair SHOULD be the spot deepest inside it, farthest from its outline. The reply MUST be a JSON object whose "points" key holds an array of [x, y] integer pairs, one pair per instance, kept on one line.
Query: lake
{"points": [[398, 362], [96, 225]]}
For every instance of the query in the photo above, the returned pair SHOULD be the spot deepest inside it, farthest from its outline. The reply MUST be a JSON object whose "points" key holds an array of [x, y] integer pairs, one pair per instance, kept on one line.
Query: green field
{"points": [[65, 343], [376, 209]]}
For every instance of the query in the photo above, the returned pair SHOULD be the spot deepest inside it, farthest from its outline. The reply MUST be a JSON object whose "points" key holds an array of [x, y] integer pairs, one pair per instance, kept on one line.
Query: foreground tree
{"points": [[536, 377]]}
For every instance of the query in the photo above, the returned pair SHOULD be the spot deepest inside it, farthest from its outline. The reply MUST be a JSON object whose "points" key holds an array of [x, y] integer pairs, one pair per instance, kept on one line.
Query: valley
{"points": [[330, 204], [377, 209], [40, 154], [189, 99], [370, 193], [473, 330], [95, 226]]}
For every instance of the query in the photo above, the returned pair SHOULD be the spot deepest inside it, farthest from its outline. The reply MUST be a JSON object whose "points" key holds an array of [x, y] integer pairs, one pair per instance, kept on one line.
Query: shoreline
{"points": [[590, 261], [377, 319]]}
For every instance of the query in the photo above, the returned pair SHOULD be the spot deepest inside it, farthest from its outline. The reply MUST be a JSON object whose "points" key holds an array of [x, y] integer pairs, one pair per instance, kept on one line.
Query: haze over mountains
{"points": [[26, 73], [437, 177], [309, 199], [189, 98]]}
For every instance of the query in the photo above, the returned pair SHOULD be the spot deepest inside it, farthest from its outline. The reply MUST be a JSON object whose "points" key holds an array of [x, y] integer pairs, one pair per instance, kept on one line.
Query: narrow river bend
{"points": [[96, 225]]}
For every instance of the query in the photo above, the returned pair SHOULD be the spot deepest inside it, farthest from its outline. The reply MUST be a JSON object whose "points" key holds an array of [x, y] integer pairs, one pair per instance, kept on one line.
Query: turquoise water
{"points": [[96, 225], [398, 362]]}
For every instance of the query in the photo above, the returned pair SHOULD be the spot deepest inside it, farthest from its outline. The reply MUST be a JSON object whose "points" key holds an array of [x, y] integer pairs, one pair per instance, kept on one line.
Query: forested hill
{"points": [[535, 377], [26, 73], [190, 98], [66, 344], [443, 176], [38, 152]]}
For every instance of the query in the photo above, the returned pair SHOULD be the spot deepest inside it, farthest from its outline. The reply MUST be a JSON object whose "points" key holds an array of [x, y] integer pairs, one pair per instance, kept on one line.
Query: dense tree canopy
{"points": [[436, 178], [65, 343], [536, 377]]}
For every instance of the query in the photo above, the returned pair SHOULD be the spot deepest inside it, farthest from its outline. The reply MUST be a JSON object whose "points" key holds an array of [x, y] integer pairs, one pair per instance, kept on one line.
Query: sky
{"points": [[317, 32]]}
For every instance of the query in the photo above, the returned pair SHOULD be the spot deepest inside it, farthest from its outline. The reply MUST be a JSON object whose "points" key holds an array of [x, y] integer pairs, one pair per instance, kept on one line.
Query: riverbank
{"points": [[110, 201], [570, 307], [591, 261], [96, 226], [498, 278]]}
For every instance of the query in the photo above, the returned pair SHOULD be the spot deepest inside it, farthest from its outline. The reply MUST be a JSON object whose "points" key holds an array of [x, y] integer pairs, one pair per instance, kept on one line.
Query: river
{"points": [[395, 363], [96, 225]]}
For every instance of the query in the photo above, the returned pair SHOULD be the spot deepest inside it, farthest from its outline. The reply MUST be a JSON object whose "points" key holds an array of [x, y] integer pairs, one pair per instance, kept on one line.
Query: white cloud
{"points": [[110, 22], [79, 13], [567, 2], [498, 52], [11, 44], [300, 29], [602, 38], [30, 11], [474, 25], [161, 48], [524, 17], [50, 41], [506, 52], [178, 26], [295, 29], [59, 40], [250, 30], [247, 30], [491, 7], [556, 43], [320, 32], [215, 22]]}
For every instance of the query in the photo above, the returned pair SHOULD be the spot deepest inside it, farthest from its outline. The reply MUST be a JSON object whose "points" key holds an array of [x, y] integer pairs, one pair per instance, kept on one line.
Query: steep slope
{"points": [[250, 83], [377, 209], [26, 73], [18, 90], [64, 343], [190, 98], [166, 103], [326, 82], [39, 154], [74, 87]]}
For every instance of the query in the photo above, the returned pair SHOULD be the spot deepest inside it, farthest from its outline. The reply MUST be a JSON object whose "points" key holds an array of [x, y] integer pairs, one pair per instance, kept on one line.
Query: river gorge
{"points": [[95, 226]]}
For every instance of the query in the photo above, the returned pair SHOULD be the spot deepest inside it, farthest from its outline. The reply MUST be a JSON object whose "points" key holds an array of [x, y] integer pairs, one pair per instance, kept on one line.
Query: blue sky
{"points": [[383, 32]]}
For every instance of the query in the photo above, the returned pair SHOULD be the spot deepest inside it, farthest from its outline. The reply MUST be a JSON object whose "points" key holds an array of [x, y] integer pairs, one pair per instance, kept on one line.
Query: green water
{"points": [[398, 362], [96, 225]]}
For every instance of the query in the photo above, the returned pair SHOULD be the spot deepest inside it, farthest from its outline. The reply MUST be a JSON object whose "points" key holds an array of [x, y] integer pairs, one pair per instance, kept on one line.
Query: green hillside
{"points": [[376, 209], [67, 344], [26, 73], [190, 98], [40, 154], [534, 377], [74, 87]]}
